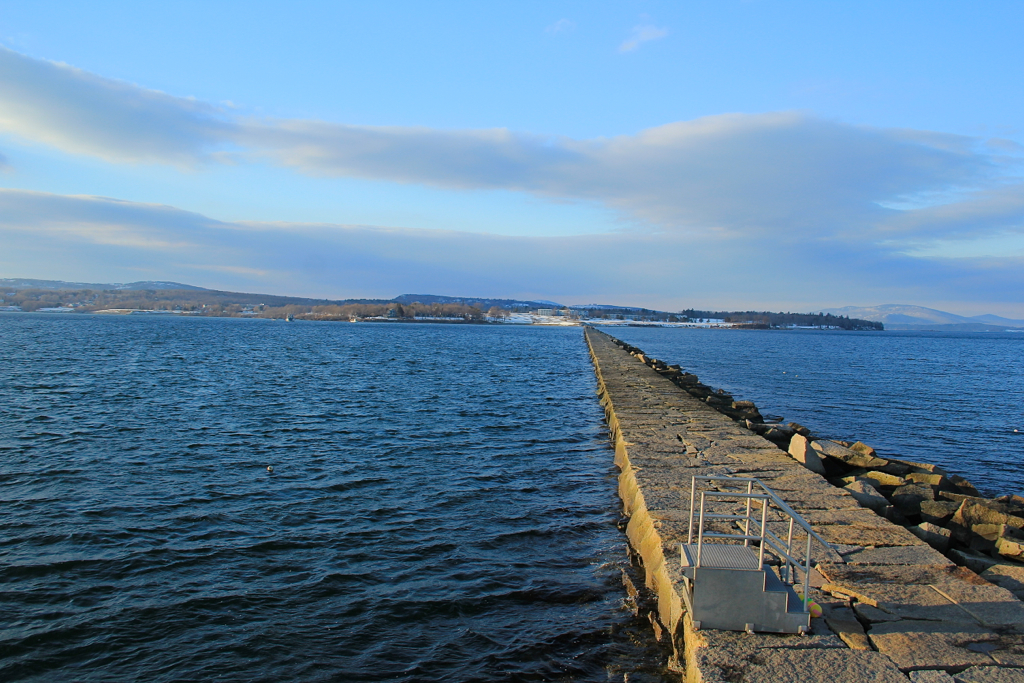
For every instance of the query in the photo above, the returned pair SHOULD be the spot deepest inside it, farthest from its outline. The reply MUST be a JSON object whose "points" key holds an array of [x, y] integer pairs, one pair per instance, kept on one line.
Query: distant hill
{"points": [[20, 283], [907, 317], [479, 302]]}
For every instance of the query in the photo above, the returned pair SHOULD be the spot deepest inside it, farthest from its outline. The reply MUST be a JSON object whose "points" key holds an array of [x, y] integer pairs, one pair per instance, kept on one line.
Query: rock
{"points": [[1008, 576], [931, 644], [909, 497], [1010, 543], [800, 449], [963, 485], [935, 480], [799, 428], [895, 467], [900, 555], [957, 497], [800, 665], [862, 448], [931, 676], [872, 614], [1012, 502], [866, 495], [933, 535], [894, 515], [973, 561], [977, 511], [885, 479], [925, 467], [845, 455], [990, 674], [938, 511], [850, 632]]}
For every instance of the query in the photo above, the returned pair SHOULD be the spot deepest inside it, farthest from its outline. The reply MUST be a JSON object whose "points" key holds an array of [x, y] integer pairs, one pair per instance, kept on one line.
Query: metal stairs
{"points": [[727, 584]]}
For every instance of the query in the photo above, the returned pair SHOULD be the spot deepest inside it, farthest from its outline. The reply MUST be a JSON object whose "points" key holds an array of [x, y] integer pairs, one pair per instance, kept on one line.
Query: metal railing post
{"points": [[746, 528], [689, 524], [700, 529], [807, 573]]}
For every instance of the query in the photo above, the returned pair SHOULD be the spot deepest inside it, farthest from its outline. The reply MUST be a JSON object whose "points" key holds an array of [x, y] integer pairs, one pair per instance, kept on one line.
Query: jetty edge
{"points": [[894, 608]]}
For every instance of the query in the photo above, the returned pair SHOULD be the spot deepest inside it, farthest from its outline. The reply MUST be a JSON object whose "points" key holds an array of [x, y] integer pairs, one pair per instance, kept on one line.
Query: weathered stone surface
{"points": [[973, 561], [909, 498], [857, 517], [850, 632], [917, 554], [884, 479], [1008, 576], [927, 479], [989, 674], [931, 644], [824, 666], [872, 614], [938, 511], [800, 449], [991, 605], [866, 536], [1010, 543], [863, 449], [867, 495], [902, 574], [932, 534], [905, 602], [973, 512], [845, 455], [931, 676]]}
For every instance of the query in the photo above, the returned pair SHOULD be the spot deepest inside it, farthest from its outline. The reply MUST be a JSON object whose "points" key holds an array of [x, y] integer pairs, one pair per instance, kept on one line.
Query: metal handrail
{"points": [[763, 535]]}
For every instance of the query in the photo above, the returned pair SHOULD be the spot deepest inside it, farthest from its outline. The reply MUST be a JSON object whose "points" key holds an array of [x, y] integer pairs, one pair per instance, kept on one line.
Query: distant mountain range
{"points": [[21, 283], [904, 317], [893, 316]]}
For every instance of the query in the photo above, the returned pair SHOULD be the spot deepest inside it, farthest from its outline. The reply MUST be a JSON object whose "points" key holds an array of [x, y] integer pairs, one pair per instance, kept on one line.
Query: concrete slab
{"points": [[825, 666], [931, 644], [990, 674], [991, 605], [905, 602], [917, 554]]}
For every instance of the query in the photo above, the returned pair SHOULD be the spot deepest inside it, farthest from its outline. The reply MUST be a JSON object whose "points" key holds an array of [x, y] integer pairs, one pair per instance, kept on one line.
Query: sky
{"points": [[730, 154]]}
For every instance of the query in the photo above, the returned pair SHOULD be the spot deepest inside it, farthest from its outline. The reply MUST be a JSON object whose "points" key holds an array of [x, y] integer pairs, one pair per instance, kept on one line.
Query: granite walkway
{"points": [[894, 608]]}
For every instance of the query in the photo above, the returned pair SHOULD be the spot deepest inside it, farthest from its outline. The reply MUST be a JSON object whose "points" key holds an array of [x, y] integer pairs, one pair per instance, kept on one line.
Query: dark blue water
{"points": [[442, 504], [952, 399]]}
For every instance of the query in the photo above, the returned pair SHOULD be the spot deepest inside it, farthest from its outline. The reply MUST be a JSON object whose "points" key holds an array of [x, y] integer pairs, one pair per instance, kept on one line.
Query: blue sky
{"points": [[781, 155]]}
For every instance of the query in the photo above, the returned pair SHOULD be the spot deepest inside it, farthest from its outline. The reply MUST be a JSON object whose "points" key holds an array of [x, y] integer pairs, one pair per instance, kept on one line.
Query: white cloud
{"points": [[82, 113], [642, 33], [561, 26]]}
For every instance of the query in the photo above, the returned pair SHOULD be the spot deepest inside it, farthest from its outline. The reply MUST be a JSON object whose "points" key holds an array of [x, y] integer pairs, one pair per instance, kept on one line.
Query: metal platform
{"points": [[728, 586]]}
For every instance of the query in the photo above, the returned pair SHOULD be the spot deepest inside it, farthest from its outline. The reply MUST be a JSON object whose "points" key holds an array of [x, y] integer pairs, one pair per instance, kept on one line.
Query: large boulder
{"points": [[977, 522], [866, 495], [938, 511], [933, 535], [843, 454], [908, 498], [1010, 543], [884, 479], [800, 449]]}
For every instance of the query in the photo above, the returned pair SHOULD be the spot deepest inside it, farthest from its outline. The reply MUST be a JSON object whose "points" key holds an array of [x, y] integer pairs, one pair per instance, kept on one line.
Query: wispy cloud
{"points": [[642, 33], [561, 26]]}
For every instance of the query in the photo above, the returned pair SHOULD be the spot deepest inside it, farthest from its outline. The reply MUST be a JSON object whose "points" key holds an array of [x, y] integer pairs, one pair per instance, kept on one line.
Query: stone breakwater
{"points": [[895, 608]]}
